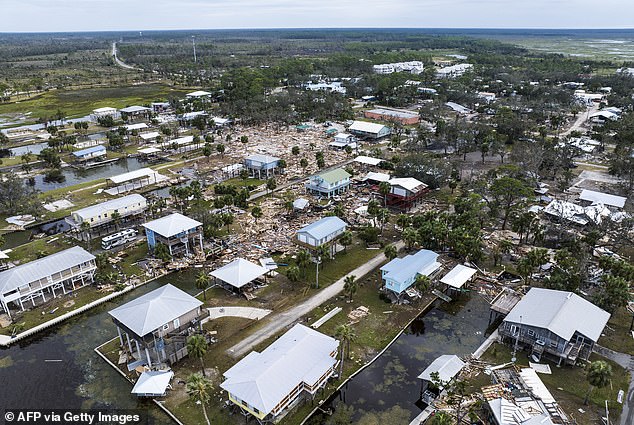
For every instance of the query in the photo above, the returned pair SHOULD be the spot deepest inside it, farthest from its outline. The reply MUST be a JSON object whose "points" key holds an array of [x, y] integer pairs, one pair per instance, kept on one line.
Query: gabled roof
{"points": [[366, 127], [137, 126], [133, 109], [324, 227], [507, 413], [334, 176], [113, 204], [172, 225], [409, 183], [424, 262], [368, 160], [602, 198], [264, 379], [155, 309], [239, 272], [132, 175], [198, 93], [89, 151], [39, 269], [562, 313], [447, 366], [458, 276], [379, 177]]}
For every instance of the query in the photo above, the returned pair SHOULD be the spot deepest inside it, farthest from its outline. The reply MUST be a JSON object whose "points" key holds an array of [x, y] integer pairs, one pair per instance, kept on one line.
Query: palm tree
{"points": [[85, 227], [116, 219], [199, 389], [403, 220], [383, 216], [410, 236], [197, 347], [256, 212], [384, 189], [390, 252], [303, 259], [346, 334], [202, 282], [346, 239], [271, 184], [599, 375], [350, 286], [422, 282], [292, 273]]}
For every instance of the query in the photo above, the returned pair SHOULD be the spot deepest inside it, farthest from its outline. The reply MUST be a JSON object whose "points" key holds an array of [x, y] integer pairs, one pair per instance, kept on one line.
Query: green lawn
{"points": [[76, 103], [569, 386], [616, 335]]}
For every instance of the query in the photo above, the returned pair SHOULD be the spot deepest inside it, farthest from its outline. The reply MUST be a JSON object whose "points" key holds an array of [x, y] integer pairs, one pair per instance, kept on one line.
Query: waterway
{"points": [[82, 379], [74, 176], [459, 327]]}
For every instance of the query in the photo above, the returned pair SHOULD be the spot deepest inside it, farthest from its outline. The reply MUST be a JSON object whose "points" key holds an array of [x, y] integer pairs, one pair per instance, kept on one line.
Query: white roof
{"points": [[343, 136], [113, 204], [323, 227], [192, 115], [537, 387], [23, 274], [220, 121], [153, 383], [104, 109], [172, 225], [262, 159], [198, 93], [368, 160], [603, 198], [133, 175], [138, 126], [151, 311], [149, 150], [263, 380], [185, 140], [149, 135], [447, 366], [562, 313], [508, 413], [239, 272], [300, 203], [379, 177], [458, 108], [409, 183], [133, 109], [366, 127], [458, 276]]}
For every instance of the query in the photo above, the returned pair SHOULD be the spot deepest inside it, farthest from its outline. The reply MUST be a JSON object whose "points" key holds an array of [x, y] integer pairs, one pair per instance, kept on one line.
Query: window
{"points": [[166, 326], [553, 344], [515, 330], [176, 323], [531, 333]]}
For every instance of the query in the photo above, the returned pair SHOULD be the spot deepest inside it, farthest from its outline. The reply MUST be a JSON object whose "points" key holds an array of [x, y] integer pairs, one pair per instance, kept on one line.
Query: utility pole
{"points": [[318, 262], [194, 44]]}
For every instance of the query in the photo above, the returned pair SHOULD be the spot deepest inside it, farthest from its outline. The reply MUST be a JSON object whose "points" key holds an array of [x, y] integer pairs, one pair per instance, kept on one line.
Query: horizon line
{"points": [[323, 28]]}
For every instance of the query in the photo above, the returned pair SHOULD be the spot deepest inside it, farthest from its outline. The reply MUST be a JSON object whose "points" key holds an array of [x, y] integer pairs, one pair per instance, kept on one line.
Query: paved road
{"points": [[626, 361], [581, 118], [117, 60], [246, 312], [277, 322]]}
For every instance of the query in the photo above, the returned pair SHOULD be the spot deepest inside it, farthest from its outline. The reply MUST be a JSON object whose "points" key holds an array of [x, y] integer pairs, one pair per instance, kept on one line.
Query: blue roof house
{"points": [[321, 231], [93, 152], [261, 164], [401, 273]]}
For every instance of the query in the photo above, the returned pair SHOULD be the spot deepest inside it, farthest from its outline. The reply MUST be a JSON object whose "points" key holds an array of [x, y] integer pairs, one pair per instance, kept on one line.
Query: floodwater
{"points": [[82, 379], [34, 149], [74, 176], [457, 328], [20, 237]]}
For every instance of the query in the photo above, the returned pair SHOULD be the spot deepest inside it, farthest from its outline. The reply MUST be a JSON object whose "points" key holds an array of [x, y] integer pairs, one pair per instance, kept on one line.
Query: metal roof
{"points": [[133, 175], [300, 203], [324, 227], [263, 159], [153, 383], [334, 176], [507, 413], [88, 151], [151, 311], [263, 380], [458, 276], [392, 113], [424, 262], [368, 160], [39, 269], [379, 177], [562, 313], [198, 93], [172, 225], [113, 204], [409, 183], [239, 272], [366, 127], [133, 109], [149, 135], [137, 126], [447, 366], [602, 198]]}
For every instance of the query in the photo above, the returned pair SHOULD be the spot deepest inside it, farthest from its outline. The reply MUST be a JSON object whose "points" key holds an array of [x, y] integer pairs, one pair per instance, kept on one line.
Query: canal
{"points": [[459, 327], [33, 377]]}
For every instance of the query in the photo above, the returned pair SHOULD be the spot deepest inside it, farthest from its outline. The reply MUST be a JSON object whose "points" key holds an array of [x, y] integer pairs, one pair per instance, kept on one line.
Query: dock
{"points": [[423, 416], [440, 295]]}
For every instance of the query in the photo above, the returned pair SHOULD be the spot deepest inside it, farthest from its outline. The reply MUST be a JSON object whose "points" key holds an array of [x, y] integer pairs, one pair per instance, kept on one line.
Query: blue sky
{"points": [[108, 15]]}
